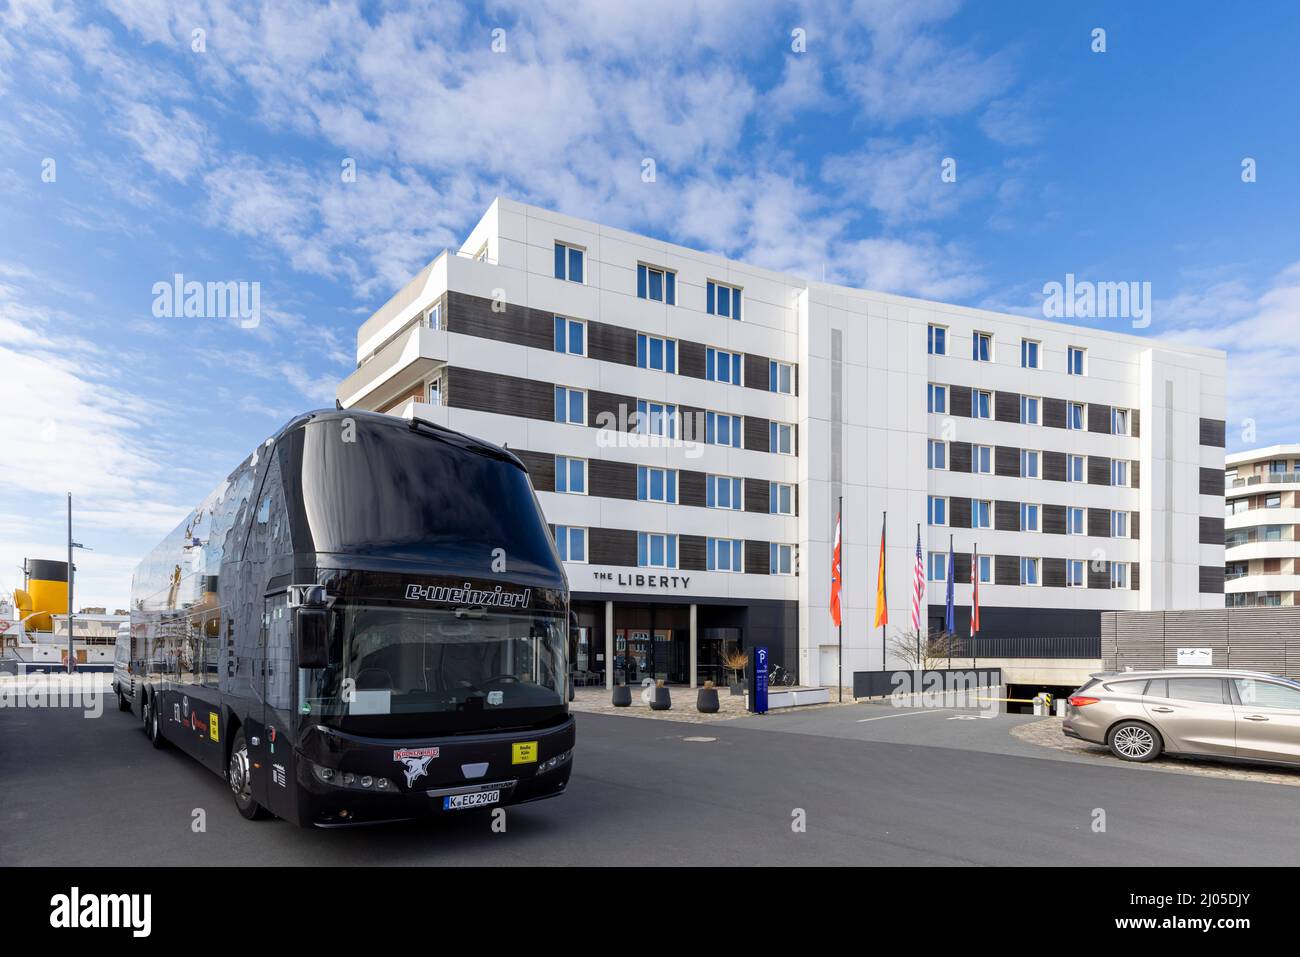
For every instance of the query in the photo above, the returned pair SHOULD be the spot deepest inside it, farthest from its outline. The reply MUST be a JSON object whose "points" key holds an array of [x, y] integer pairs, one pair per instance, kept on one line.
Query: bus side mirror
{"points": [[313, 636]]}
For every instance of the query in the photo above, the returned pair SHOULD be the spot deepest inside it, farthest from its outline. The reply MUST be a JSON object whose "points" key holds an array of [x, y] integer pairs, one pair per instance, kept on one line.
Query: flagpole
{"points": [[952, 576], [839, 528], [919, 611], [975, 587], [884, 522]]}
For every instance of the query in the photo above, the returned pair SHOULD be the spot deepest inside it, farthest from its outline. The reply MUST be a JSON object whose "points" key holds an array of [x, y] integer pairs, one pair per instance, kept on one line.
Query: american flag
{"points": [[918, 585]]}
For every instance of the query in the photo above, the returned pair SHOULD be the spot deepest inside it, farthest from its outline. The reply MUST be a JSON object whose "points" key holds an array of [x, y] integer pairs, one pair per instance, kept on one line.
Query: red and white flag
{"points": [[974, 594], [918, 585], [837, 583]]}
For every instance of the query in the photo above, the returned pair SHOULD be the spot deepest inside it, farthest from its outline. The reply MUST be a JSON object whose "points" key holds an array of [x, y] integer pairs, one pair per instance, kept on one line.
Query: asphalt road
{"points": [[77, 791]]}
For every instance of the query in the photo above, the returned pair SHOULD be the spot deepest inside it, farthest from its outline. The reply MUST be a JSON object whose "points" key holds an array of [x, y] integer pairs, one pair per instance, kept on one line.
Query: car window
{"points": [[1208, 690], [1267, 694], [1136, 686]]}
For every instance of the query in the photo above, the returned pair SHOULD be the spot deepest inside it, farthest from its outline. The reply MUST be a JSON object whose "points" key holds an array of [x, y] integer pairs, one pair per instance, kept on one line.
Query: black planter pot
{"points": [[622, 696], [661, 700], [706, 701]]}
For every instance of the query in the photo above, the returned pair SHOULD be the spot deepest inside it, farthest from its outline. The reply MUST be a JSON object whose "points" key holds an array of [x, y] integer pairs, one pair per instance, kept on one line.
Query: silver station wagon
{"points": [[1216, 713]]}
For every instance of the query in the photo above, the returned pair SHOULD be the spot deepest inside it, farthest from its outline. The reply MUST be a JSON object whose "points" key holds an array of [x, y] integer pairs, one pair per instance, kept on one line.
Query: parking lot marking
{"points": [[903, 714]]}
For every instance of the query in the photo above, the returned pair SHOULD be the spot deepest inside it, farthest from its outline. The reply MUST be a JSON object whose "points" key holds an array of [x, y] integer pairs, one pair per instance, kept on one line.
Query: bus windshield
{"points": [[387, 660]]}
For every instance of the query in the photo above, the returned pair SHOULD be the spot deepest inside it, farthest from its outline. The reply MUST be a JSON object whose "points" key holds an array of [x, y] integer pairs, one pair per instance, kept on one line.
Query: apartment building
{"points": [[691, 424], [1262, 516]]}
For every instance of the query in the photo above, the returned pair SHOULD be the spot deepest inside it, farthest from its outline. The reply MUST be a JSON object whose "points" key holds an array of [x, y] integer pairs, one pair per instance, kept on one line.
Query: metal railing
{"points": [[1082, 646], [1269, 478]]}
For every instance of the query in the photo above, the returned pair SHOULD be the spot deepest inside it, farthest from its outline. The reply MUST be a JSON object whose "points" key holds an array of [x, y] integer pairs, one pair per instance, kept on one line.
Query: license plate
{"points": [[461, 802]]}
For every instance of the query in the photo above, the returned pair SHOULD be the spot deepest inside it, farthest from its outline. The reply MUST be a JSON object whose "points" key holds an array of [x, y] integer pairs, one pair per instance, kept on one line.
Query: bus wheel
{"points": [[153, 722], [122, 703], [240, 777]]}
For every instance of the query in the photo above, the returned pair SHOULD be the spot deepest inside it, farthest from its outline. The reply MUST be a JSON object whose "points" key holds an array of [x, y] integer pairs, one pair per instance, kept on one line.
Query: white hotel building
{"points": [[690, 423]]}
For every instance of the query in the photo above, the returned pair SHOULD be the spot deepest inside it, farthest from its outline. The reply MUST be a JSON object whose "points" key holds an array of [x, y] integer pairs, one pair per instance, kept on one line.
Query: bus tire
{"points": [[153, 722], [239, 777], [122, 703]]}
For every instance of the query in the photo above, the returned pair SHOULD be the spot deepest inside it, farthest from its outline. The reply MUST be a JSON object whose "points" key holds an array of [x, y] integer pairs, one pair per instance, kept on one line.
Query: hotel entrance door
{"points": [[649, 643]]}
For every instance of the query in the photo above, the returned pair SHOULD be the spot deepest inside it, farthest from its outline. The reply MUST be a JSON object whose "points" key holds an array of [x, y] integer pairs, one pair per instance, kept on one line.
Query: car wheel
{"points": [[153, 722], [239, 775], [1135, 741]]}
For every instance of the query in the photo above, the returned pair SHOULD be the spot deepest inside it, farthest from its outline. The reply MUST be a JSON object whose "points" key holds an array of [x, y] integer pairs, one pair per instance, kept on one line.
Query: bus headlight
{"points": [[550, 764], [350, 781]]}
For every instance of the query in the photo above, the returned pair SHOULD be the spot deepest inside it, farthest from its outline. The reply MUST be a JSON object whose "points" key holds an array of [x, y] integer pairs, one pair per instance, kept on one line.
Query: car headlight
{"points": [[550, 764]]}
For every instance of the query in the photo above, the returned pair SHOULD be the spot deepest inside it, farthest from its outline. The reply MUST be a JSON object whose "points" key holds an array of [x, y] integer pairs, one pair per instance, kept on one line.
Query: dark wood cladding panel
{"points": [[541, 468], [959, 512], [690, 359], [1211, 580], [959, 457], [959, 400], [1053, 466], [757, 495], [691, 489], [758, 373], [1098, 574], [1098, 470], [1053, 413], [1006, 461], [1006, 516], [1135, 524], [758, 558], [756, 434], [1212, 482], [1054, 572], [1006, 569], [961, 568], [1099, 522], [1214, 433], [1135, 426], [608, 479], [1098, 418], [474, 316], [502, 394], [1211, 530], [1134, 576], [1006, 406], [622, 409], [1054, 519], [611, 546], [611, 343], [1135, 474], [691, 554]]}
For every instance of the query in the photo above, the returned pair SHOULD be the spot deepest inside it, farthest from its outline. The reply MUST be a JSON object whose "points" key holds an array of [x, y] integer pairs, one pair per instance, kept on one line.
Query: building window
{"points": [[1074, 576], [981, 513], [1236, 506], [433, 316], [1074, 468], [652, 352], [656, 418], [1028, 517], [1074, 416], [781, 559], [721, 366], [1074, 360], [982, 459], [1029, 571], [657, 284], [656, 485], [435, 390], [570, 475], [1028, 354], [982, 347], [724, 555], [938, 566], [780, 438], [936, 342], [780, 498], [569, 262], [984, 567], [1074, 521], [937, 399], [1119, 574], [938, 454], [722, 300], [1028, 410], [721, 491], [572, 543], [722, 429], [570, 405], [1273, 501], [780, 377], [1119, 421], [1118, 524], [570, 336], [656, 550], [937, 510], [1028, 463], [981, 406], [1119, 472]]}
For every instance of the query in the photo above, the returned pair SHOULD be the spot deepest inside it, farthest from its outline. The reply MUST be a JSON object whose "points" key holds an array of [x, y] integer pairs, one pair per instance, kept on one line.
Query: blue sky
{"points": [[224, 164]]}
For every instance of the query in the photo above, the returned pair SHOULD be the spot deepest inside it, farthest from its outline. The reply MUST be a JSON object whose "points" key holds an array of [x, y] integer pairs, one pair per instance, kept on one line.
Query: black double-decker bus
{"points": [[366, 621]]}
